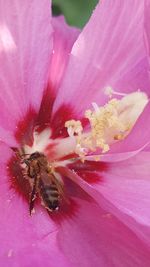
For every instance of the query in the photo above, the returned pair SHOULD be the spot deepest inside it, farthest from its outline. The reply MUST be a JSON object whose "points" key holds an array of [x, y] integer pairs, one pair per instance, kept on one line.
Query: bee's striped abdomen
{"points": [[50, 195]]}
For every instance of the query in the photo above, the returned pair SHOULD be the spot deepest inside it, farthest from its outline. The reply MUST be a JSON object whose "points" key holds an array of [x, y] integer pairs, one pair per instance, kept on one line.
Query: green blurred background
{"points": [[77, 12]]}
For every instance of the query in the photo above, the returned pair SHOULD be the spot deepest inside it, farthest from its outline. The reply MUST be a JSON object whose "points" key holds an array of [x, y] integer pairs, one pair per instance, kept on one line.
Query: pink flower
{"points": [[50, 76]]}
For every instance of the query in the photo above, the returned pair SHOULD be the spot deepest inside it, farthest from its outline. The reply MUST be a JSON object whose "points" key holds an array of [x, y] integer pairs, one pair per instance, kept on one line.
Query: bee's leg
{"points": [[26, 161], [33, 195]]}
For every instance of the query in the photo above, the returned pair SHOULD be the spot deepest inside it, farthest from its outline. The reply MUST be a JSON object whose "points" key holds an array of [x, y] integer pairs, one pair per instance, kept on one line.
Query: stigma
{"points": [[107, 124]]}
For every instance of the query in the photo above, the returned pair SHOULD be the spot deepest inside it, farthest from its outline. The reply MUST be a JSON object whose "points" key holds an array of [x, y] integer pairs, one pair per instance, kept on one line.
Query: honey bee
{"points": [[43, 182]]}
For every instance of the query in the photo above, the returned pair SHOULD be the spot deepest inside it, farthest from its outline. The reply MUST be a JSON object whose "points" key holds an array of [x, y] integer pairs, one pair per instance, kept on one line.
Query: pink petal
{"points": [[64, 37], [126, 185], [94, 237], [147, 25], [25, 48], [109, 51], [122, 189]]}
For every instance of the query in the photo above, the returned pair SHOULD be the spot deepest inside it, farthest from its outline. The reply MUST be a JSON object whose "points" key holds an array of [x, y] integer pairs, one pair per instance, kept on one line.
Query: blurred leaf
{"points": [[56, 10], [77, 12]]}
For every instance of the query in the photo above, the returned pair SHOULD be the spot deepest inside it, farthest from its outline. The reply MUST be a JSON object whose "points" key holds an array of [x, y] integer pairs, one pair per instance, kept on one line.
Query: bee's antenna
{"points": [[20, 156]]}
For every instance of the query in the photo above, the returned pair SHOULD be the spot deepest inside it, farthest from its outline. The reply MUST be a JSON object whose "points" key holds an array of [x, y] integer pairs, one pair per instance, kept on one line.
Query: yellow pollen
{"points": [[108, 124], [74, 127]]}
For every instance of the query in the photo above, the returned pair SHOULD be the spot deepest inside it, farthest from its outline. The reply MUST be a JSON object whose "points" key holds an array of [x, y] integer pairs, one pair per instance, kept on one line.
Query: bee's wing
{"points": [[48, 178], [60, 187], [59, 184]]}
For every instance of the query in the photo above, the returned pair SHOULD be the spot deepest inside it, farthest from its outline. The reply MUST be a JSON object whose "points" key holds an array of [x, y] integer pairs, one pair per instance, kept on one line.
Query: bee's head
{"points": [[35, 155]]}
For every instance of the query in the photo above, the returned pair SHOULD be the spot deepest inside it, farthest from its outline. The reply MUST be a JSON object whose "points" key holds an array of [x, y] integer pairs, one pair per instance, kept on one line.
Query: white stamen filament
{"points": [[109, 123]]}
